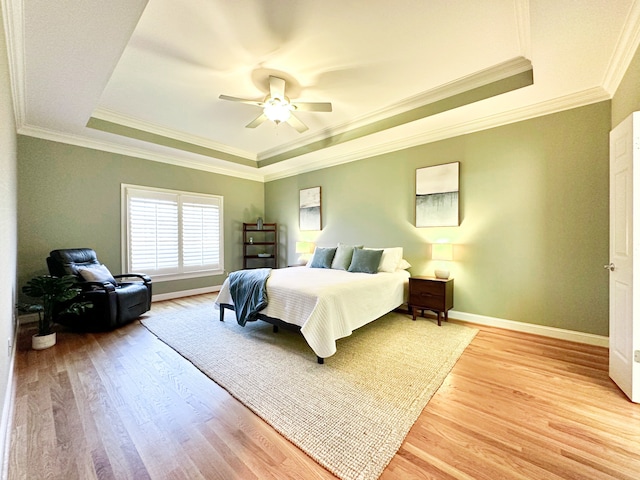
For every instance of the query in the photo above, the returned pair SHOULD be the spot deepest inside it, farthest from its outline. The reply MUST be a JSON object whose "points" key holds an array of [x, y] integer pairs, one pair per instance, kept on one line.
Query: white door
{"points": [[624, 317]]}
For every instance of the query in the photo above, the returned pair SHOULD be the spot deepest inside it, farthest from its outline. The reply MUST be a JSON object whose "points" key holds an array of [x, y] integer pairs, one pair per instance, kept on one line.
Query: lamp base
{"points": [[303, 259], [442, 274]]}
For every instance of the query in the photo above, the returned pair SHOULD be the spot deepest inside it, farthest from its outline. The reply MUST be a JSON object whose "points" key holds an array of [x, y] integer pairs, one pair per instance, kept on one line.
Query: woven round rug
{"points": [[350, 414]]}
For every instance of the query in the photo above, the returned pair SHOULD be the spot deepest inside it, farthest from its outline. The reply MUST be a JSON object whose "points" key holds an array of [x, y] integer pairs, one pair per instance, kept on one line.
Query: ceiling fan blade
{"points": [[296, 123], [259, 120], [313, 106], [276, 87], [241, 100]]}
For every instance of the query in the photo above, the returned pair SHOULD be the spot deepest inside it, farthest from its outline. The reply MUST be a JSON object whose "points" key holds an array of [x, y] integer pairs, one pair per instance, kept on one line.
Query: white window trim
{"points": [[124, 229]]}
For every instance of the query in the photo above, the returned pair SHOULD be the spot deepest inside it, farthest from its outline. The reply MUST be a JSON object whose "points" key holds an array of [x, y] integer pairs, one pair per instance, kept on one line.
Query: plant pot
{"points": [[40, 342]]}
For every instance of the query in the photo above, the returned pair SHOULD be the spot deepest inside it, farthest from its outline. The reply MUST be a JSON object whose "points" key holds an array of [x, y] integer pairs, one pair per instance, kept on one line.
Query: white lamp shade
{"points": [[442, 251], [304, 247]]}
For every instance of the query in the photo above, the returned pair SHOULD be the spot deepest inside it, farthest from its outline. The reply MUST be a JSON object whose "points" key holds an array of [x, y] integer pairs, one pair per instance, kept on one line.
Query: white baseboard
{"points": [[545, 331], [157, 297], [184, 293], [27, 318], [6, 422]]}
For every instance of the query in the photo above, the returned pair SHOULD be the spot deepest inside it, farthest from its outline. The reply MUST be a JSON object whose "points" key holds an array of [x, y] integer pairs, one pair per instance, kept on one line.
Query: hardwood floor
{"points": [[123, 405]]}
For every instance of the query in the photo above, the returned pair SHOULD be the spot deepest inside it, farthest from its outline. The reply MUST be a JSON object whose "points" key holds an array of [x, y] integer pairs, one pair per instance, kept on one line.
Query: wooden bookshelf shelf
{"points": [[259, 246]]}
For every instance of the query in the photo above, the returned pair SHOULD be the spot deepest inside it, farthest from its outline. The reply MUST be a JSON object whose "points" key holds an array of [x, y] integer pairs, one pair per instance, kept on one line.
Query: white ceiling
{"points": [[157, 68]]}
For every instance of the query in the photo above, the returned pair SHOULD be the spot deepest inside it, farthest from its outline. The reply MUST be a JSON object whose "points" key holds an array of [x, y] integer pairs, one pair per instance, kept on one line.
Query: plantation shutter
{"points": [[200, 233], [172, 234], [153, 232]]}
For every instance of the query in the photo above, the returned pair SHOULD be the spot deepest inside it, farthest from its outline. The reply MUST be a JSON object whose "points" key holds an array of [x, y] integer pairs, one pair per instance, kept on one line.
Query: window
{"points": [[170, 234]]}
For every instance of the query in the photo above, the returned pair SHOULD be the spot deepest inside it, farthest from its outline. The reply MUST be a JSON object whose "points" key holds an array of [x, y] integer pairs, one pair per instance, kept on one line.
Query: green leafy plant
{"points": [[52, 292]]}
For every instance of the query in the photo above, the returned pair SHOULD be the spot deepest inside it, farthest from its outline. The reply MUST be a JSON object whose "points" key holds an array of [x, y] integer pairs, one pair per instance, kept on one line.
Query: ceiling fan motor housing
{"points": [[278, 108]]}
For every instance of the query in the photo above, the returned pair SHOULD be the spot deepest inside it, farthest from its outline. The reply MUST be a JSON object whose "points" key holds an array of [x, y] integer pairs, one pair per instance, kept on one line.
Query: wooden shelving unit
{"points": [[259, 246]]}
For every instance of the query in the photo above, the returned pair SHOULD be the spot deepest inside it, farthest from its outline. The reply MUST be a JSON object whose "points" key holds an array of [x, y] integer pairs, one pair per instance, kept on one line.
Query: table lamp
{"points": [[442, 252], [304, 249]]}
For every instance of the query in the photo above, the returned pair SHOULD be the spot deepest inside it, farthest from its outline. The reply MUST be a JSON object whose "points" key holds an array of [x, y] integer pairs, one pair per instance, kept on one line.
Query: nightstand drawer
{"points": [[426, 299], [421, 287]]}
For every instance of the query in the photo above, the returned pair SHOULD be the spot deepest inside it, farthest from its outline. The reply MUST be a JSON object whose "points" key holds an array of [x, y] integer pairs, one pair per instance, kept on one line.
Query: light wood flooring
{"points": [[123, 405]]}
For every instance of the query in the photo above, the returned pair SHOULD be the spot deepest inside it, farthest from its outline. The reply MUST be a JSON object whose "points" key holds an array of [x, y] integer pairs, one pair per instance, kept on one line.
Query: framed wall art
{"points": [[310, 209], [437, 196]]}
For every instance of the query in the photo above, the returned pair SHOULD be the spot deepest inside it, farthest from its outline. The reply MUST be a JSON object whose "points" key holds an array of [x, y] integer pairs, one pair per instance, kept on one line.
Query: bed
{"points": [[326, 304]]}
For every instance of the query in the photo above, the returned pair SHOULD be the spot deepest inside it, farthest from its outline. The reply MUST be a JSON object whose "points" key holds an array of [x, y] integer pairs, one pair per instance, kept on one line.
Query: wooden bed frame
{"points": [[276, 322]]}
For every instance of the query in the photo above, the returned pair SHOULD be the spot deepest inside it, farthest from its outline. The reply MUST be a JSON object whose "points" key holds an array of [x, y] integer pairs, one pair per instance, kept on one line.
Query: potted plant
{"points": [[52, 292]]}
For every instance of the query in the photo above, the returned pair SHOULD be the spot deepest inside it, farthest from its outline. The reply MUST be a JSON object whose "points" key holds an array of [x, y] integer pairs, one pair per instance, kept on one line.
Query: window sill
{"points": [[184, 276]]}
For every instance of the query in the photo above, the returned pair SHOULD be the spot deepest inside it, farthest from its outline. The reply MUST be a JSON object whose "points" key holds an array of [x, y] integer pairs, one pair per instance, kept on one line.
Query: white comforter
{"points": [[328, 304]]}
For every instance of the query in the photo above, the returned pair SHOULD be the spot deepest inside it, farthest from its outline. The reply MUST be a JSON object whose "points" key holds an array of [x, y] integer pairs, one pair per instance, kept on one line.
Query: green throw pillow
{"points": [[343, 256], [323, 257], [365, 261]]}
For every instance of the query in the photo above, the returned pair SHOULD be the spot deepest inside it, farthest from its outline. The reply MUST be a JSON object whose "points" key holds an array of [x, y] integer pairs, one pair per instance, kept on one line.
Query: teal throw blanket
{"points": [[248, 290]]}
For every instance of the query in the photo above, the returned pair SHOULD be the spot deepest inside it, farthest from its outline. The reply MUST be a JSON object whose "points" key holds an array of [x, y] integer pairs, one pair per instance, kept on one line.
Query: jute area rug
{"points": [[350, 414]]}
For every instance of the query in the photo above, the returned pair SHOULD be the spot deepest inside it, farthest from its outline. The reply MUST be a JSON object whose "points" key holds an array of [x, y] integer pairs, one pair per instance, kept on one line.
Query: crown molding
{"points": [[464, 84], [477, 80], [461, 85], [14, 33], [626, 48], [624, 51], [132, 122], [586, 97], [82, 141], [567, 102]]}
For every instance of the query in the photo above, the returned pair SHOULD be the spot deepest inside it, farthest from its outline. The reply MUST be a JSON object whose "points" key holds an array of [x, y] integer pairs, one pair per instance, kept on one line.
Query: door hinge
{"points": [[636, 356]]}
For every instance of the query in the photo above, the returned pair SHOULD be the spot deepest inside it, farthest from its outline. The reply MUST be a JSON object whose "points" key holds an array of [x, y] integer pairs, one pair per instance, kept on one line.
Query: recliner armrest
{"points": [[145, 278], [94, 286]]}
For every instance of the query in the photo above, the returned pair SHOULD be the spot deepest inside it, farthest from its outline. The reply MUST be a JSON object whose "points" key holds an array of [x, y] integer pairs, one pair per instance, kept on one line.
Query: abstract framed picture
{"points": [[437, 195], [310, 209]]}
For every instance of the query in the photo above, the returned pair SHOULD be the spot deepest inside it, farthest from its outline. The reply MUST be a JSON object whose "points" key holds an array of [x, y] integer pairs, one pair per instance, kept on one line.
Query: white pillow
{"points": [[96, 273], [403, 265], [390, 259]]}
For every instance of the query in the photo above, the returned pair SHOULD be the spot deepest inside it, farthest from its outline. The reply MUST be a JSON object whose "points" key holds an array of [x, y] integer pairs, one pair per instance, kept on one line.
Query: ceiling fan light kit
{"points": [[278, 108]]}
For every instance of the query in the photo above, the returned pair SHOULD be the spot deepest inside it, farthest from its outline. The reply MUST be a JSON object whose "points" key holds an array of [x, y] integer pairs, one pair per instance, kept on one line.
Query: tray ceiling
{"points": [[143, 77]]}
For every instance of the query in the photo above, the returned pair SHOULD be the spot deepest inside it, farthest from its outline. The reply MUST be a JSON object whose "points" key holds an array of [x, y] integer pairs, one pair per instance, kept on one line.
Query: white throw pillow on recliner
{"points": [[97, 273]]}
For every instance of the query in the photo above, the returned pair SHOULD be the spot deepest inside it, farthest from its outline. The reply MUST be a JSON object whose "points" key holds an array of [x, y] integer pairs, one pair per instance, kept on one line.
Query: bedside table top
{"points": [[434, 279]]}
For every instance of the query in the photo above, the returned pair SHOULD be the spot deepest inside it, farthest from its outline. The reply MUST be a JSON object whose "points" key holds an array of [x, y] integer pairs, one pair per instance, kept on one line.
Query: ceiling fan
{"points": [[278, 108]]}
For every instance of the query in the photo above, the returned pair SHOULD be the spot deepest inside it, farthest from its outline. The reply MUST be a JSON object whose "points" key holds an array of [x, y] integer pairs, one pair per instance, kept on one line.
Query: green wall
{"points": [[69, 196], [534, 210], [534, 216], [627, 97], [530, 247]]}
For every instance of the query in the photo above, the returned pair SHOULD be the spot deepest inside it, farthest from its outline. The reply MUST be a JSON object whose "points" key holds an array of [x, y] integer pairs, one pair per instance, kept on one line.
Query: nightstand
{"points": [[429, 293]]}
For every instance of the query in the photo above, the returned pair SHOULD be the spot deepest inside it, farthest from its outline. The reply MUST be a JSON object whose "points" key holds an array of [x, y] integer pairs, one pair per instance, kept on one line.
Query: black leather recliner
{"points": [[115, 302]]}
